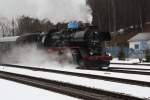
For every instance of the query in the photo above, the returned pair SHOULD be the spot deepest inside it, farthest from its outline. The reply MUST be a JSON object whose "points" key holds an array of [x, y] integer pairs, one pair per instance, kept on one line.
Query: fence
{"points": [[114, 51], [129, 53]]}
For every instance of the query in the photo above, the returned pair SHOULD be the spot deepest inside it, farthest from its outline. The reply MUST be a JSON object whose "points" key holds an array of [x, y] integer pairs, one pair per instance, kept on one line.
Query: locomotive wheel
{"points": [[105, 66]]}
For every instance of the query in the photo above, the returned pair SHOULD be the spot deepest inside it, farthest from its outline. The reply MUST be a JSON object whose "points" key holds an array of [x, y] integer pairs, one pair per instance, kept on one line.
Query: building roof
{"points": [[140, 37], [121, 39], [8, 39]]}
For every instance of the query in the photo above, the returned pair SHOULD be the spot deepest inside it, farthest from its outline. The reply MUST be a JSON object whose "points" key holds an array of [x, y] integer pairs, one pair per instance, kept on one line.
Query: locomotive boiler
{"points": [[85, 44]]}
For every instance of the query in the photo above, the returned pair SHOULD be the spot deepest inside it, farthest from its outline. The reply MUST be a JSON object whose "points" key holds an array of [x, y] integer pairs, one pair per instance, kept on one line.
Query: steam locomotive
{"points": [[85, 44]]}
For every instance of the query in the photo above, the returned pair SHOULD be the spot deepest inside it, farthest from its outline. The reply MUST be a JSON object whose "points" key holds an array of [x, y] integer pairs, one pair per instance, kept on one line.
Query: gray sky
{"points": [[55, 10]]}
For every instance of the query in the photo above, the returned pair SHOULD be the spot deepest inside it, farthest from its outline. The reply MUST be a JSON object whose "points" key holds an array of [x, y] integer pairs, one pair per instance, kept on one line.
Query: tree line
{"points": [[113, 15], [26, 24]]}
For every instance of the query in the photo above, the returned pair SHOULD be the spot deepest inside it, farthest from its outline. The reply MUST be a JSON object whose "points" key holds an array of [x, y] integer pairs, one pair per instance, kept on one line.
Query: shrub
{"points": [[121, 55]]}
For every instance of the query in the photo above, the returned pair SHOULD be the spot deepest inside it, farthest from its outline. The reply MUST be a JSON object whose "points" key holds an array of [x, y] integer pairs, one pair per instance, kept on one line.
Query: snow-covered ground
{"points": [[130, 66], [129, 61], [137, 77], [145, 78], [30, 56], [15, 91], [138, 91]]}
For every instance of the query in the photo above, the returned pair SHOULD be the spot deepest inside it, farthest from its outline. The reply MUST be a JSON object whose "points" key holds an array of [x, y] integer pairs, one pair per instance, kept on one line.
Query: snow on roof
{"points": [[8, 39], [140, 37]]}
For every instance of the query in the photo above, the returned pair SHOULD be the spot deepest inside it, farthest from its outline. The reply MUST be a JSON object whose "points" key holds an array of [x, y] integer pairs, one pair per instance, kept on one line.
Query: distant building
{"points": [[141, 41], [7, 43], [8, 39]]}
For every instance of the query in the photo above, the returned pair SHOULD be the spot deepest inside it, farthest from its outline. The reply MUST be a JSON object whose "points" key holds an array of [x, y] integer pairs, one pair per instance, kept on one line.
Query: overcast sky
{"points": [[55, 10]]}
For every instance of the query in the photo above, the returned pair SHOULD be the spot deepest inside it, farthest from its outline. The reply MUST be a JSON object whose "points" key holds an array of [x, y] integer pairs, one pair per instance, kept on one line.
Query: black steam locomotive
{"points": [[85, 44]]}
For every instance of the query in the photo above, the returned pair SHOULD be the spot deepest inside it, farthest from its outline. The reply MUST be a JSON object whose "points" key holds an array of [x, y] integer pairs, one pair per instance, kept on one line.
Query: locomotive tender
{"points": [[85, 44]]}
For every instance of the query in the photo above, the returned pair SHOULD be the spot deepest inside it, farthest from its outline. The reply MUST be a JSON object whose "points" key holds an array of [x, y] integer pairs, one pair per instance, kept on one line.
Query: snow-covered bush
{"points": [[147, 55]]}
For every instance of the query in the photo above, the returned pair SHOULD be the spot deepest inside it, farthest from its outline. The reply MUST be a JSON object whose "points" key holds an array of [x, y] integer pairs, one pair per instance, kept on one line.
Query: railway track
{"points": [[140, 71], [77, 91], [131, 64], [131, 68], [129, 71], [91, 76]]}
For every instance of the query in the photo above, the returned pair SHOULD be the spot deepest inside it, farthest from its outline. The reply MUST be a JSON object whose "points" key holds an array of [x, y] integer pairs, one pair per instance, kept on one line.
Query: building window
{"points": [[136, 46]]}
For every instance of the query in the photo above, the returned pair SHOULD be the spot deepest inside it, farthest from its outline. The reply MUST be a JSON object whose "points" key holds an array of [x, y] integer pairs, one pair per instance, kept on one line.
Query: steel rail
{"points": [[128, 71], [142, 69], [131, 64]]}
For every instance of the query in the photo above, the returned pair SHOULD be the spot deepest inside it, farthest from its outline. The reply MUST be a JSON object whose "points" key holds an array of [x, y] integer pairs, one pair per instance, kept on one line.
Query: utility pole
{"points": [[141, 19], [113, 7], [13, 27]]}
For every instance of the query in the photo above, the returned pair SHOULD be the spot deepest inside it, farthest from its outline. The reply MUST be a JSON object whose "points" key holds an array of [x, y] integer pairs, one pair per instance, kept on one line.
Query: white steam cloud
{"points": [[30, 55], [55, 10]]}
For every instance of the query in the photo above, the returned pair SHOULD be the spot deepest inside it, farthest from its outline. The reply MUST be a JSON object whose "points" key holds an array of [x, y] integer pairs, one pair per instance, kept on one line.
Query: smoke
{"points": [[30, 55], [55, 10]]}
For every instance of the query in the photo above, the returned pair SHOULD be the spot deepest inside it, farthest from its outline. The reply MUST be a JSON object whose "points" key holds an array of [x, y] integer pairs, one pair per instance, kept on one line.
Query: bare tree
{"points": [[5, 27], [32, 25]]}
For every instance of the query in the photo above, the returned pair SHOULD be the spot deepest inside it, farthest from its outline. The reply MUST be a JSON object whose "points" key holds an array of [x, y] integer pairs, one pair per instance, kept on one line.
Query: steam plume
{"points": [[30, 55], [55, 10]]}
